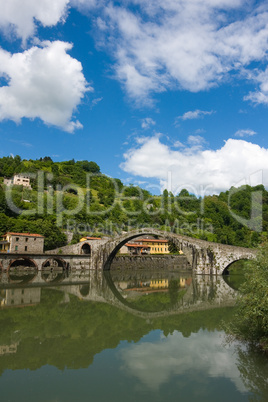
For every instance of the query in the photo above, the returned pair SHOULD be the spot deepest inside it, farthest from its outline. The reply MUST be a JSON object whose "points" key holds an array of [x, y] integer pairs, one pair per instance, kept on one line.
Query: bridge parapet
{"points": [[204, 257]]}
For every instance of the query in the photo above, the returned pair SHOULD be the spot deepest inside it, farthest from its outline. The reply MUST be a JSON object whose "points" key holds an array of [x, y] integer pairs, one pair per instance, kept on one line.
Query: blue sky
{"points": [[162, 94]]}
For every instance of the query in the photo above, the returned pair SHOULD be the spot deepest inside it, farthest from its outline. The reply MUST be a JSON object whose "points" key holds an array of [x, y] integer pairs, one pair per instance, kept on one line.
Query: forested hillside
{"points": [[75, 195]]}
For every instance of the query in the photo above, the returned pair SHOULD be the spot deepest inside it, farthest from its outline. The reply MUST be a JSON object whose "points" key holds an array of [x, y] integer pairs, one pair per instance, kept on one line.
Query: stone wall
{"points": [[148, 262]]}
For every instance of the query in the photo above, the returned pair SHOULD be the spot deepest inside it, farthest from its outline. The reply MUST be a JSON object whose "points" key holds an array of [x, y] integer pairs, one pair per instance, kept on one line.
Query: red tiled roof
{"points": [[23, 234], [135, 245], [153, 240]]}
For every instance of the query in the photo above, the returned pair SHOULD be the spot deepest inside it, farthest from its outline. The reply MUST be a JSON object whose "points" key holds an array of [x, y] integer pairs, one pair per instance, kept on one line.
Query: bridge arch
{"points": [[55, 262], [113, 246], [226, 269], [85, 249], [22, 261], [204, 257]]}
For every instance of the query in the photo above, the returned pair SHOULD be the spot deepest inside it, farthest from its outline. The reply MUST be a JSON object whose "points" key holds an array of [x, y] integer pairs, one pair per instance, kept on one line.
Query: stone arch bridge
{"points": [[204, 257]]}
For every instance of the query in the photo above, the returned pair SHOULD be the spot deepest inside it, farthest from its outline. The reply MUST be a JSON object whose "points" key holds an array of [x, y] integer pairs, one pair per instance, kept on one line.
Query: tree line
{"points": [[238, 216]]}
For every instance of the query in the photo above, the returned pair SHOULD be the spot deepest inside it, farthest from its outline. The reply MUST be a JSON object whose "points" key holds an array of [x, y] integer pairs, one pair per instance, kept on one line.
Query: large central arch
{"points": [[204, 257]]}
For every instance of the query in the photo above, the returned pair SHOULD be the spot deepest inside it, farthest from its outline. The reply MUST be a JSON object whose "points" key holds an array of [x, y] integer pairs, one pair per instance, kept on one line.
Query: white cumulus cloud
{"points": [[196, 114], [245, 133], [179, 356], [185, 44], [21, 17], [42, 82], [261, 95], [197, 169], [147, 122]]}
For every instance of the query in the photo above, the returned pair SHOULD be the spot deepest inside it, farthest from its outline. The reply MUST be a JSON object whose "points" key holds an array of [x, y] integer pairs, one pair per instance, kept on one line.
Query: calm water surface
{"points": [[126, 336]]}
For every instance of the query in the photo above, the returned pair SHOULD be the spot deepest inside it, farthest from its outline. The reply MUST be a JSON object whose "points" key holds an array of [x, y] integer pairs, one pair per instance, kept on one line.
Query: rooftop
{"points": [[23, 234], [135, 245], [153, 240]]}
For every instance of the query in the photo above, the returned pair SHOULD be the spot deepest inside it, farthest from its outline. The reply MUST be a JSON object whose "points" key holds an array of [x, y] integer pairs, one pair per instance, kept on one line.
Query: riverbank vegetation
{"points": [[238, 216], [251, 319]]}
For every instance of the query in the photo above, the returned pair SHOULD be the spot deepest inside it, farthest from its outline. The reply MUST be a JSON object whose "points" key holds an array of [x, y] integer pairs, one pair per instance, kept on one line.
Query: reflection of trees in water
{"points": [[253, 367], [20, 277], [22, 263], [173, 288], [54, 276]]}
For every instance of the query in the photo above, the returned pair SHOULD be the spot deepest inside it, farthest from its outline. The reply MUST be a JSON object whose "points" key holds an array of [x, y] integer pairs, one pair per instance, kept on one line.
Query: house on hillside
{"points": [[22, 243], [19, 180]]}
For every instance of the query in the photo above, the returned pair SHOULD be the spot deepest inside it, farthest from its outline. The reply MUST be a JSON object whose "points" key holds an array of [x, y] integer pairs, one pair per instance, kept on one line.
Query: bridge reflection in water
{"points": [[146, 294], [64, 329]]}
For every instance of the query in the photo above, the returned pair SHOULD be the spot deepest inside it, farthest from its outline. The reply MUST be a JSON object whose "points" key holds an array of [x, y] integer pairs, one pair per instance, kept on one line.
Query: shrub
{"points": [[251, 319]]}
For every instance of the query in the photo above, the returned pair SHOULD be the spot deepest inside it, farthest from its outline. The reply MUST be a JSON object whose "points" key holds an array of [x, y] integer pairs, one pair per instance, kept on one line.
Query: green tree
{"points": [[251, 319]]}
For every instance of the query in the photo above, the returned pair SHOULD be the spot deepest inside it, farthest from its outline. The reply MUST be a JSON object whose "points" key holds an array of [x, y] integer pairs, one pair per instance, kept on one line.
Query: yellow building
{"points": [[157, 246], [19, 180], [159, 284], [89, 238]]}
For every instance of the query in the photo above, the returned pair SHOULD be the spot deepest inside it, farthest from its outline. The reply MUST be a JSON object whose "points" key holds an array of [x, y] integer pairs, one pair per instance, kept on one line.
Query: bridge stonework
{"points": [[204, 257]]}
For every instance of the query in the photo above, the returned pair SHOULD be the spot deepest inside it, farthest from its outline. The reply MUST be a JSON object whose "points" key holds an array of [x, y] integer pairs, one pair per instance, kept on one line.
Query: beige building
{"points": [[19, 180], [22, 243]]}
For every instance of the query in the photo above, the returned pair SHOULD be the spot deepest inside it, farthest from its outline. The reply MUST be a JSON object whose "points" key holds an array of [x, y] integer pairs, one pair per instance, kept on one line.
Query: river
{"points": [[124, 336]]}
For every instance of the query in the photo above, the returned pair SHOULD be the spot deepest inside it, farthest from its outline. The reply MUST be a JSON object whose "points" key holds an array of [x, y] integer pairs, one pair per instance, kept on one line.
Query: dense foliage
{"points": [[76, 196], [251, 319]]}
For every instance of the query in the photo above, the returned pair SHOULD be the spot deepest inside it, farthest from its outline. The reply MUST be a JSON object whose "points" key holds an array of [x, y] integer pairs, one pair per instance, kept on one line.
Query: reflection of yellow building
{"points": [[8, 349], [157, 246], [182, 282], [159, 284]]}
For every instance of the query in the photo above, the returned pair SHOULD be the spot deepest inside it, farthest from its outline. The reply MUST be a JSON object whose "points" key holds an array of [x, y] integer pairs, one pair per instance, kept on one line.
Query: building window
{"points": [[25, 248], [16, 248], [26, 239], [17, 238]]}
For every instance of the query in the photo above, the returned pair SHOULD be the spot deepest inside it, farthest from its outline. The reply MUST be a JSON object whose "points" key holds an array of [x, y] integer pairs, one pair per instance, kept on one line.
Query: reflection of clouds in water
{"points": [[202, 354]]}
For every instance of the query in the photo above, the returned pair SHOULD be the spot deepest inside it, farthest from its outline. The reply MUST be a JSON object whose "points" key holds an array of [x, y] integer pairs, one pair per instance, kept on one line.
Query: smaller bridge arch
{"points": [[22, 261], [226, 269], [85, 249], [54, 262]]}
